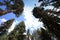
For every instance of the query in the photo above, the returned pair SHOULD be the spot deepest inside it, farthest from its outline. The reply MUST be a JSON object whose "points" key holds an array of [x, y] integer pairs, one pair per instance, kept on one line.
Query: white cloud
{"points": [[31, 22], [37, 24], [28, 16], [2, 20]]}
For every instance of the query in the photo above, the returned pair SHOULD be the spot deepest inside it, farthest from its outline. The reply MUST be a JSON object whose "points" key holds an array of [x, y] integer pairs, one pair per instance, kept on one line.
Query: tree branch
{"points": [[3, 12]]}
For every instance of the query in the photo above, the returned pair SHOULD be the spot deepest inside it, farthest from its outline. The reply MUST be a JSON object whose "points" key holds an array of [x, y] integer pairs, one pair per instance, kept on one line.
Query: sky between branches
{"points": [[30, 21]]}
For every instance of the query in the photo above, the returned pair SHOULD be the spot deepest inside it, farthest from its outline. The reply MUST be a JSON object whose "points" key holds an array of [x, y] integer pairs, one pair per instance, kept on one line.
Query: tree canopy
{"points": [[16, 7], [50, 17], [12, 6]]}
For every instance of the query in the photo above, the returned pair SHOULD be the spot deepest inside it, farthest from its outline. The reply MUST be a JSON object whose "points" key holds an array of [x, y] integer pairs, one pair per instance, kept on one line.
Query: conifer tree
{"points": [[17, 33], [49, 17], [4, 28], [16, 7]]}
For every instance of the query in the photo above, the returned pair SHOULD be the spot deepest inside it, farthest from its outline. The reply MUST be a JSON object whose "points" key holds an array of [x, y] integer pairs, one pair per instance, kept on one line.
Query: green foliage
{"points": [[55, 3], [4, 28], [16, 7], [45, 35], [17, 33], [8, 23], [51, 22]]}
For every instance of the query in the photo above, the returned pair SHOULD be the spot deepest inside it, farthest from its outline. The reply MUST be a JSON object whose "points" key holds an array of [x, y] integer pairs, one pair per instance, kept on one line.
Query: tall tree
{"points": [[17, 33], [50, 17], [16, 7], [4, 28]]}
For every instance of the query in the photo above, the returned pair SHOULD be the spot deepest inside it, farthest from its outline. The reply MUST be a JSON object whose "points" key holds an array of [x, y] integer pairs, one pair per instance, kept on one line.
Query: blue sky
{"points": [[30, 21]]}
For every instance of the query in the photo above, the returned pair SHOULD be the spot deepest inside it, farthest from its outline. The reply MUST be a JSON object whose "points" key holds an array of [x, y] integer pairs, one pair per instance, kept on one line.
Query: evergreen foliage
{"points": [[12, 6], [50, 17]]}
